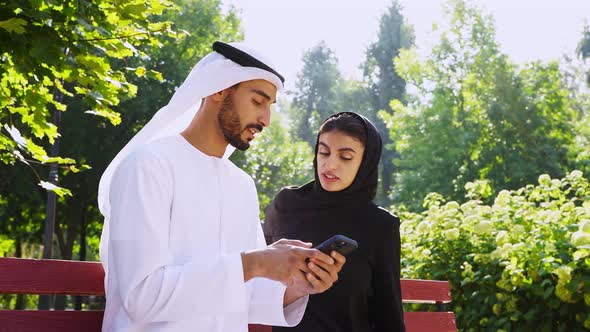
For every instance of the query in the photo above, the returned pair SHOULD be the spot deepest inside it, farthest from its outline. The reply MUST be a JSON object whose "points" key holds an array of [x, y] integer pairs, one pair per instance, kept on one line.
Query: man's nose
{"points": [[265, 117]]}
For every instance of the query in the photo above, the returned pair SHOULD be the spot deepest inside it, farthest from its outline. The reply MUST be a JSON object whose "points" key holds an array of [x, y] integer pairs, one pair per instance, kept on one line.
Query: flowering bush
{"points": [[522, 263]]}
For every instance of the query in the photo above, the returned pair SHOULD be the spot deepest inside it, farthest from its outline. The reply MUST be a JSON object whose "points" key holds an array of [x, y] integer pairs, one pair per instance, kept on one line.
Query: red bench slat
{"points": [[35, 276], [91, 321], [44, 320], [425, 291], [430, 321], [259, 328], [64, 321]]}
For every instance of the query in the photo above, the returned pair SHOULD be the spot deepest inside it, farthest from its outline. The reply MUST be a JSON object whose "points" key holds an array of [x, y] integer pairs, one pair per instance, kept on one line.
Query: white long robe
{"points": [[179, 220]]}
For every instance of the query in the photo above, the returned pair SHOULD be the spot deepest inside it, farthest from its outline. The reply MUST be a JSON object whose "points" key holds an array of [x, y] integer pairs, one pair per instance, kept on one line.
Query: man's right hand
{"points": [[282, 261]]}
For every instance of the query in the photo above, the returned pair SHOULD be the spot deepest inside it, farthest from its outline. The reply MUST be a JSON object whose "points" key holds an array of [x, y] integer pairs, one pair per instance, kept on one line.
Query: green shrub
{"points": [[522, 263]]}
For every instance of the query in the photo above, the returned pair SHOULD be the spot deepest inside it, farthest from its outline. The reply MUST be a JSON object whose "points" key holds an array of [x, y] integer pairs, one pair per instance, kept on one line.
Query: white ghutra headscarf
{"points": [[228, 65]]}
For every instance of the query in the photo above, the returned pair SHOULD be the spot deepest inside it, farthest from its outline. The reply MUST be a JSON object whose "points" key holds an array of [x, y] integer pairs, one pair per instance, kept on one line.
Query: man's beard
{"points": [[230, 124]]}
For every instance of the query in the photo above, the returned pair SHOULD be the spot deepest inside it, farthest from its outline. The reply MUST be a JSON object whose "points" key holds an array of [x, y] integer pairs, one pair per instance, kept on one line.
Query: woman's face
{"points": [[339, 158]]}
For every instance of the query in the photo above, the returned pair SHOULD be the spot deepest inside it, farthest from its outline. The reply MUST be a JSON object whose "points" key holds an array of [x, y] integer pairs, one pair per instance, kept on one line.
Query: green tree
{"points": [[576, 70], [384, 83], [584, 48], [581, 149], [274, 161], [476, 116], [317, 92], [52, 52]]}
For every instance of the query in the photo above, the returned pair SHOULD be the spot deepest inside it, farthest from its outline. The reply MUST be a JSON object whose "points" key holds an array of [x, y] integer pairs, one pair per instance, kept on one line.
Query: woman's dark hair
{"points": [[347, 124]]}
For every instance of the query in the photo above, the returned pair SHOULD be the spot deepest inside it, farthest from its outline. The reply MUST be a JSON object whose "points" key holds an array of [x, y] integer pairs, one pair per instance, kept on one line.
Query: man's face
{"points": [[245, 111]]}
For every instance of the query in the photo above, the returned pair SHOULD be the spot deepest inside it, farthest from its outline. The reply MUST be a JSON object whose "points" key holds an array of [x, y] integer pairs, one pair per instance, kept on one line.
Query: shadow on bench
{"points": [[31, 276]]}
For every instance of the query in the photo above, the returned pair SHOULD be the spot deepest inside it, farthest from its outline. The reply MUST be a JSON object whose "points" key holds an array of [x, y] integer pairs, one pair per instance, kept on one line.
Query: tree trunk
{"points": [[79, 299], [20, 298], [66, 245]]}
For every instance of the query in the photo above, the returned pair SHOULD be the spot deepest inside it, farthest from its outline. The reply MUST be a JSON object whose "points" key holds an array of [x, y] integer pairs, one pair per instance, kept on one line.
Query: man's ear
{"points": [[218, 96]]}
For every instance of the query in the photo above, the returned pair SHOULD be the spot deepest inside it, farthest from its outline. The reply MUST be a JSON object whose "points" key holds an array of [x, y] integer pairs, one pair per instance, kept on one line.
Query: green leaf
{"points": [[75, 169], [58, 160], [20, 157], [548, 292], [15, 25], [113, 116], [61, 192], [155, 74], [36, 151], [16, 136], [140, 71]]}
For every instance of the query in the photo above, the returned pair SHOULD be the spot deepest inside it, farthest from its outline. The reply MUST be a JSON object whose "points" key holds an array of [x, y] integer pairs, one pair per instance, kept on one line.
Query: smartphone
{"points": [[339, 243]]}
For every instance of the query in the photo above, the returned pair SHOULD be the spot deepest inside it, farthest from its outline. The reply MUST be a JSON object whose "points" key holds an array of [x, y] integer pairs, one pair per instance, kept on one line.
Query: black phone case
{"points": [[339, 243]]}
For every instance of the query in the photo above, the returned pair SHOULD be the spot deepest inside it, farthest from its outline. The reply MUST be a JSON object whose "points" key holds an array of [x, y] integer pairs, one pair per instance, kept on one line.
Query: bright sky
{"points": [[526, 29]]}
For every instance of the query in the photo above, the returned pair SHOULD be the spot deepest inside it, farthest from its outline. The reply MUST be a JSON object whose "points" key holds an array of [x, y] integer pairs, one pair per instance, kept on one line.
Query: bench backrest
{"points": [[32, 276]]}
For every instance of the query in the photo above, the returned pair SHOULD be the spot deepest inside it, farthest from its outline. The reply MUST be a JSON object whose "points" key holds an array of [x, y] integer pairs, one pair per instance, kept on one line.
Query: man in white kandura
{"points": [[182, 244]]}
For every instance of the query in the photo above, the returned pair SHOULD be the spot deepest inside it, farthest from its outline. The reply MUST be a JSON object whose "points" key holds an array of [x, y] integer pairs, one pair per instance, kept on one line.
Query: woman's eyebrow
{"points": [[341, 150]]}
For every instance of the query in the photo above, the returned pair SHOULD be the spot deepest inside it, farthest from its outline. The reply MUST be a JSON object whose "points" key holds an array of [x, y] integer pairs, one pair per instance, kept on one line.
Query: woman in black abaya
{"points": [[367, 296]]}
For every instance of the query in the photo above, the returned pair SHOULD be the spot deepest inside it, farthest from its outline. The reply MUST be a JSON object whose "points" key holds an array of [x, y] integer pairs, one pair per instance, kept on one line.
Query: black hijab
{"points": [[294, 206]]}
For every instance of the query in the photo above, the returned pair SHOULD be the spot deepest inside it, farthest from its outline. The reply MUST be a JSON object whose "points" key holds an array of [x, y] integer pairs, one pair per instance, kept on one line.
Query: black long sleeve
{"points": [[386, 306], [367, 296]]}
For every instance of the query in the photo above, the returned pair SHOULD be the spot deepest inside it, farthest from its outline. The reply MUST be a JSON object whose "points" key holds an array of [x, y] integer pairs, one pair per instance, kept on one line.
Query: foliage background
{"points": [[486, 161]]}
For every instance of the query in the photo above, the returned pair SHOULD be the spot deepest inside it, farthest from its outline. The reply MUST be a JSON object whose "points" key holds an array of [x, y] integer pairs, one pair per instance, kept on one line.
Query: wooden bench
{"points": [[32, 276]]}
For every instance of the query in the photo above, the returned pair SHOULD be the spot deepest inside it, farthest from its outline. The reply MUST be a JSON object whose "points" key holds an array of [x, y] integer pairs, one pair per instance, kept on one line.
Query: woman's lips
{"points": [[330, 178]]}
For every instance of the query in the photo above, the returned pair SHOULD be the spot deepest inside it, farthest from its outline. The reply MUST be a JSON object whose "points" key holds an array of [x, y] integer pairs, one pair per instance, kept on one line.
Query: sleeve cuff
{"points": [[294, 312], [266, 304]]}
